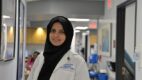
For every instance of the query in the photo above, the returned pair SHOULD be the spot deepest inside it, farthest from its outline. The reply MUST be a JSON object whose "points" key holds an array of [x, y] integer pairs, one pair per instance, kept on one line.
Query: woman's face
{"points": [[57, 35]]}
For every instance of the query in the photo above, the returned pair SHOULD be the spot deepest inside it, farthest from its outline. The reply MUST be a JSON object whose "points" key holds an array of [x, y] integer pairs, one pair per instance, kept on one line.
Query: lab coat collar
{"points": [[66, 58]]}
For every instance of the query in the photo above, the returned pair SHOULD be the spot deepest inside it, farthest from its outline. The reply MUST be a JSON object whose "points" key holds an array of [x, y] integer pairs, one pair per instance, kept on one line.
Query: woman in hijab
{"points": [[58, 62]]}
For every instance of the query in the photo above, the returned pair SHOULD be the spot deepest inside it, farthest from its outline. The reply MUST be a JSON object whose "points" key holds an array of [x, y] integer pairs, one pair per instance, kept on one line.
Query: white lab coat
{"points": [[71, 67]]}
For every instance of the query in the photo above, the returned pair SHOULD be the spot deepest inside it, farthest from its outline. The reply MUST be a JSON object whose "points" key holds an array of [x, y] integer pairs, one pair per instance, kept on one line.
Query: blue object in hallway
{"points": [[93, 74], [93, 58], [102, 76]]}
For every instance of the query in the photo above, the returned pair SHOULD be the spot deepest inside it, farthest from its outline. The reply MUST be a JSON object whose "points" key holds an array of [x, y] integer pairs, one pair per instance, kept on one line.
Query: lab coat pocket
{"points": [[66, 72]]}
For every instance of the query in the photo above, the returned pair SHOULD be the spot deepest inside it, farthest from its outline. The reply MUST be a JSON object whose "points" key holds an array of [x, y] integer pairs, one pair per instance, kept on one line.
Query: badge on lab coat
{"points": [[68, 67]]}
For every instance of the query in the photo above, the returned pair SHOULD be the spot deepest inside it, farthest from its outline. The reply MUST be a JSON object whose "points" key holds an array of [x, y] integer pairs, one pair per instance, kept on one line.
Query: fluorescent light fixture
{"points": [[31, 0], [76, 31], [81, 27], [5, 16], [78, 19]]}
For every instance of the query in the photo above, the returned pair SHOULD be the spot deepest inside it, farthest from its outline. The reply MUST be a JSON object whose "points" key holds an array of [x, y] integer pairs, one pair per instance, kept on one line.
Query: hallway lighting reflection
{"points": [[11, 30]]}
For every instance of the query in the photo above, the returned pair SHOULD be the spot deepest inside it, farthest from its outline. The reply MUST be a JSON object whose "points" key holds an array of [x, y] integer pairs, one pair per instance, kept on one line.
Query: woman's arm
{"points": [[82, 71]]}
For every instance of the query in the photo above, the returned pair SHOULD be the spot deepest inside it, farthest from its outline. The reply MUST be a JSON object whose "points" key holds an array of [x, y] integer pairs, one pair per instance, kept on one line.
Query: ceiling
{"points": [[39, 12]]}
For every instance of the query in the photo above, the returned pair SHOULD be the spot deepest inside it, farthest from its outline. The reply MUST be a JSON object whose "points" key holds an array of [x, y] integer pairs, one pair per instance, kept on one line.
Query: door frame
{"points": [[120, 36]]}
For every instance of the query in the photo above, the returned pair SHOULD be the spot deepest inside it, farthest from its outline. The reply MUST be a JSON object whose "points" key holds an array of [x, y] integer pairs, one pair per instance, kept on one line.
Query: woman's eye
{"points": [[61, 31], [53, 30]]}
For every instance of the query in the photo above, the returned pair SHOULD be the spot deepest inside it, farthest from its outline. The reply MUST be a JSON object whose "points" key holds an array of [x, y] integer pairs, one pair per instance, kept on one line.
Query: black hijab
{"points": [[53, 54]]}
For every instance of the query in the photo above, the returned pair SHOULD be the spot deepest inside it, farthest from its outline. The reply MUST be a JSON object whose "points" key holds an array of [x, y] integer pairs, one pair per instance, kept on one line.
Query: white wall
{"points": [[139, 40], [130, 30], [8, 70], [110, 16]]}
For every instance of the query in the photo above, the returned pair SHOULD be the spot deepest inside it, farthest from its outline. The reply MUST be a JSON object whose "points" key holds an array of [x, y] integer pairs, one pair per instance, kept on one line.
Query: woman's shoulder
{"points": [[77, 57], [40, 57]]}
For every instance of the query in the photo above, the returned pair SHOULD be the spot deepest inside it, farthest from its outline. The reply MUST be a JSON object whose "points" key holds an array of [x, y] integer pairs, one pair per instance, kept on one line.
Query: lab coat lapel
{"points": [[63, 61]]}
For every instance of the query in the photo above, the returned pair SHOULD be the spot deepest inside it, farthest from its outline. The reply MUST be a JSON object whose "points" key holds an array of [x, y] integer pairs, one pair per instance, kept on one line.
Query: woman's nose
{"points": [[56, 34]]}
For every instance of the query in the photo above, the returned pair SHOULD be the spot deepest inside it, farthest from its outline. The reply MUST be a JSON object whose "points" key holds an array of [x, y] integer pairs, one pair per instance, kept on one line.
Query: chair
{"points": [[93, 59]]}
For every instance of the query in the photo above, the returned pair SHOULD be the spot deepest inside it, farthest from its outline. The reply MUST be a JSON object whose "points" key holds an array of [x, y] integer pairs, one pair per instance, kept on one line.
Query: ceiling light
{"points": [[78, 19], [76, 31], [81, 27], [5, 16], [4, 24]]}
